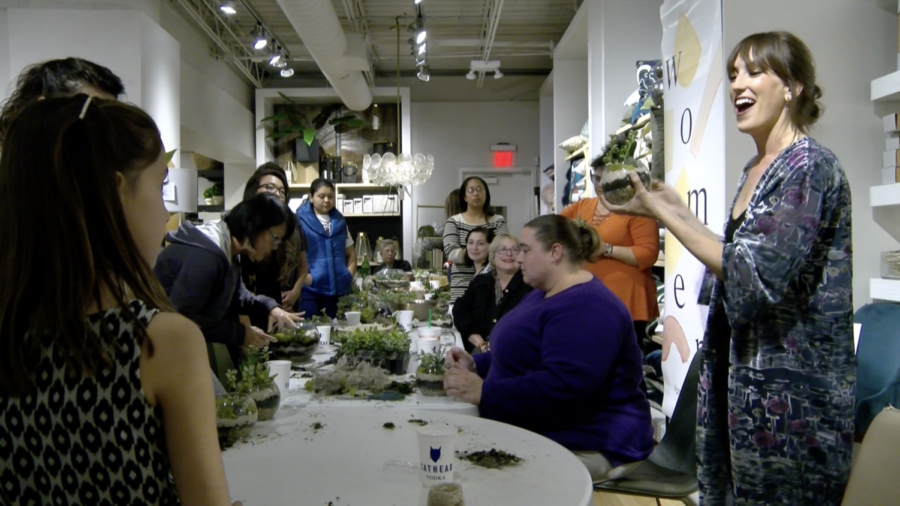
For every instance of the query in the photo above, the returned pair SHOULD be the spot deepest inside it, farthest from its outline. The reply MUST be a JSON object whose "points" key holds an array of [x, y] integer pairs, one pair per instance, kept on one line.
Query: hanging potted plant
{"points": [[263, 390], [430, 373], [620, 158], [236, 412], [214, 195]]}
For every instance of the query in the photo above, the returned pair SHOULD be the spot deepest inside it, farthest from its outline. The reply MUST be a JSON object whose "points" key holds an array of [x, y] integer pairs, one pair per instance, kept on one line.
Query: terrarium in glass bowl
{"points": [[296, 344], [622, 157], [394, 280]]}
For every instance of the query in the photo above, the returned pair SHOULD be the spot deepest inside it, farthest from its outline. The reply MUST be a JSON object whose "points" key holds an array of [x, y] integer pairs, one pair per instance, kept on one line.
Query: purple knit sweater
{"points": [[569, 368]]}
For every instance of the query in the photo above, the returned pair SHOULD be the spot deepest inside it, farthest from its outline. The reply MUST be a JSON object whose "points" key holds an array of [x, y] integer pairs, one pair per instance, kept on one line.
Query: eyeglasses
{"points": [[509, 251], [276, 241], [474, 189], [595, 178], [271, 188]]}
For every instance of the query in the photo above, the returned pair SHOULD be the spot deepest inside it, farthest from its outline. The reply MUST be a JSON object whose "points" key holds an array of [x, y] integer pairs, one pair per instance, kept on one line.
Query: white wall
{"points": [[570, 111], [460, 134], [160, 77], [546, 132], [853, 42]]}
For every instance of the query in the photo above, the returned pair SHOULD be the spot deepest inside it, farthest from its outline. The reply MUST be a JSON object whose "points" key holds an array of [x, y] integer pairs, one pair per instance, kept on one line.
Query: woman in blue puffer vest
{"points": [[330, 253]]}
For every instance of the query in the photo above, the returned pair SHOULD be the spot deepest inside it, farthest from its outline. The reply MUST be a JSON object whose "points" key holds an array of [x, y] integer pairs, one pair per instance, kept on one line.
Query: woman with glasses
{"points": [[490, 295], [628, 249], [475, 203], [201, 271], [281, 276], [332, 258]]}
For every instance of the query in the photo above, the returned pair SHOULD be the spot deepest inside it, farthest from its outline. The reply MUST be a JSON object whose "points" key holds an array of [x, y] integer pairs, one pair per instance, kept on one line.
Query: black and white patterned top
{"points": [[86, 440]]}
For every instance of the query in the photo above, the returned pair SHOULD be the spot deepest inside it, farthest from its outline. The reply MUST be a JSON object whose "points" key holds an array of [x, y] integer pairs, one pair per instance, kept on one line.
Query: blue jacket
{"points": [[325, 253]]}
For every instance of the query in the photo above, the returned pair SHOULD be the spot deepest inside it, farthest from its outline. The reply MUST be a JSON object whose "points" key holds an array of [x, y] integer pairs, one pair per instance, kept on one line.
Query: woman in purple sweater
{"points": [[565, 362]]}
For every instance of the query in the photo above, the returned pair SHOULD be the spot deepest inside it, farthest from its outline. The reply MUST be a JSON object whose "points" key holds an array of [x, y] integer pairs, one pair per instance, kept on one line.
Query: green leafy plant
{"points": [[291, 335], [216, 190], [298, 123], [255, 366], [392, 297], [321, 319], [238, 386], [378, 342], [620, 149], [433, 363]]}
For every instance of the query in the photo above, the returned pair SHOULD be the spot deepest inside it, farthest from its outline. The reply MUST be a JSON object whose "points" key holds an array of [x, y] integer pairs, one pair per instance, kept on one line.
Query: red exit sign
{"points": [[503, 159]]}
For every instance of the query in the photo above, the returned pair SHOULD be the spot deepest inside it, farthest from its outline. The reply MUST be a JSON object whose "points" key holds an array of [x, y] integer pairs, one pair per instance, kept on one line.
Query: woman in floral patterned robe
{"points": [[776, 397]]}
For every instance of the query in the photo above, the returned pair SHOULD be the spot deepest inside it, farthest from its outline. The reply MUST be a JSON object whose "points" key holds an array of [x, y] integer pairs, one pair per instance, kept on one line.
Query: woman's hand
{"points": [[257, 338], [646, 203], [284, 318], [458, 357], [463, 384], [290, 297], [479, 342]]}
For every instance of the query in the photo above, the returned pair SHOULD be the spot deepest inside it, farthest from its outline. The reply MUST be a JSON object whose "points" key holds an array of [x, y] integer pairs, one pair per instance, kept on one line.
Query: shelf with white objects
{"points": [[885, 289], [885, 195]]}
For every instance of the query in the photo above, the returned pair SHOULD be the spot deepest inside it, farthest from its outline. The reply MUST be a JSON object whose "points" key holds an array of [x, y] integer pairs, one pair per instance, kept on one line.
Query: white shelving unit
{"points": [[885, 289], [887, 88], [885, 195]]}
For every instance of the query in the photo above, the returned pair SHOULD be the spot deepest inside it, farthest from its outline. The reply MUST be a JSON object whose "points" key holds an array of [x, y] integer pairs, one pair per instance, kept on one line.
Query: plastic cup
{"points": [[353, 317], [428, 344], [436, 453], [405, 318], [429, 332], [282, 371], [324, 335], [434, 283]]}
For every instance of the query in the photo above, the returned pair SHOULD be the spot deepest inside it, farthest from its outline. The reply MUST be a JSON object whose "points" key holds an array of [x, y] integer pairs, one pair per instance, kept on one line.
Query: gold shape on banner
{"points": [[674, 334], [687, 51], [674, 248], [669, 137], [713, 85]]}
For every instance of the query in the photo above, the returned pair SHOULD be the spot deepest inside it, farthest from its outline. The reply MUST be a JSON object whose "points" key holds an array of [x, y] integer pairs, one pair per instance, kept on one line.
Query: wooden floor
{"points": [[605, 499]]}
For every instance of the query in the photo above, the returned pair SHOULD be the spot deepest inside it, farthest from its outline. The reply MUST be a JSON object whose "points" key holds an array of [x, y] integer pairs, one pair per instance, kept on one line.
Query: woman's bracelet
{"points": [[609, 250]]}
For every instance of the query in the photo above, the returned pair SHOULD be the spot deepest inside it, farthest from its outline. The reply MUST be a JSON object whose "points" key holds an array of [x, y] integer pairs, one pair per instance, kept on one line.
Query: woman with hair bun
{"points": [[776, 398], [565, 362]]}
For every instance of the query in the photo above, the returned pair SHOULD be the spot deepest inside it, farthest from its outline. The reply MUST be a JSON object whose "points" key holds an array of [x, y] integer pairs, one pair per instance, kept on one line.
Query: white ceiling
{"points": [[526, 32]]}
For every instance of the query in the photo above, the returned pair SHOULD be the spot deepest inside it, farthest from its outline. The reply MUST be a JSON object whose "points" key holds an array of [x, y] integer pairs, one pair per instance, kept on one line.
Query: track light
{"points": [[421, 59], [422, 49], [287, 72], [276, 57], [227, 7], [498, 74], [420, 37], [471, 75], [259, 38], [282, 63], [418, 2], [424, 73]]}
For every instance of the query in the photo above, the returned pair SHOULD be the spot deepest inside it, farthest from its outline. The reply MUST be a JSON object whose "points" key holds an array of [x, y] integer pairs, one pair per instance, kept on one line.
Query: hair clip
{"points": [[84, 108]]}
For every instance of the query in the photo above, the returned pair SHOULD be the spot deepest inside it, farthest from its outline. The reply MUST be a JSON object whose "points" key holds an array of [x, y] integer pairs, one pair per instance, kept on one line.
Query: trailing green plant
{"points": [[298, 123], [378, 342]]}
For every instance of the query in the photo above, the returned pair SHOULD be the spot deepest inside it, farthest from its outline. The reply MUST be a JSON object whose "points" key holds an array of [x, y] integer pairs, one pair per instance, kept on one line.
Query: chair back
{"points": [[878, 361], [677, 450], [873, 480]]}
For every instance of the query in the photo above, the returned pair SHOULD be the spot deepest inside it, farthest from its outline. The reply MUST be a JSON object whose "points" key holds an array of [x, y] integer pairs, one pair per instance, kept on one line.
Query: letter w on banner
{"points": [[694, 106]]}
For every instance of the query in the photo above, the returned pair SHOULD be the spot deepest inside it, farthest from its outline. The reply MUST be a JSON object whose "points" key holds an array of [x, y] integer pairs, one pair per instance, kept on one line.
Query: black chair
{"points": [[671, 470]]}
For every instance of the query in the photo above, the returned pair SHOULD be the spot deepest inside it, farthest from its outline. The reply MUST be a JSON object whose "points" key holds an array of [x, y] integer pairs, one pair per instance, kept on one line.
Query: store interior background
{"points": [[204, 104]]}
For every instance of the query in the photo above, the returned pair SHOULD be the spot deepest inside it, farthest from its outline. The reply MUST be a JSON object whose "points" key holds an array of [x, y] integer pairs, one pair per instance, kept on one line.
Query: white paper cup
{"points": [[324, 335], [436, 453], [434, 283], [428, 344], [429, 332], [404, 318], [416, 286], [352, 317], [282, 371]]}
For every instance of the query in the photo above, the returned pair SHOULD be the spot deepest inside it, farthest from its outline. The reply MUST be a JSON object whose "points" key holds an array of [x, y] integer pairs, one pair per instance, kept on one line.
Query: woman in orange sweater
{"points": [[629, 247]]}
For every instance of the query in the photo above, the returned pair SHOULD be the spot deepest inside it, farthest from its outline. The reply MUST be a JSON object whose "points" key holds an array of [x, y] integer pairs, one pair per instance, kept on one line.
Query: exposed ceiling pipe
{"points": [[489, 37], [318, 26]]}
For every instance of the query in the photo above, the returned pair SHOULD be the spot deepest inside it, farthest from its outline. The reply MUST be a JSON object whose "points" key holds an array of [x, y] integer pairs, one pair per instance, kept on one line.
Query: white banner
{"points": [[695, 165]]}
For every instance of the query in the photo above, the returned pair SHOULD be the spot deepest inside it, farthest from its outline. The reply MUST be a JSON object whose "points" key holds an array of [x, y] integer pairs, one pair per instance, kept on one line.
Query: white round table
{"points": [[354, 461]]}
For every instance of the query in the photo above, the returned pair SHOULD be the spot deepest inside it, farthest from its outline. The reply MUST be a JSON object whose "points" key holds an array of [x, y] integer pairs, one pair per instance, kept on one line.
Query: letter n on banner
{"points": [[694, 105]]}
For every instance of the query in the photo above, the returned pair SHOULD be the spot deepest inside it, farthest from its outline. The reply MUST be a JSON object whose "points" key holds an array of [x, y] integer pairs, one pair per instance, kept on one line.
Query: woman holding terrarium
{"points": [[776, 403], [629, 244], [563, 363], [331, 256]]}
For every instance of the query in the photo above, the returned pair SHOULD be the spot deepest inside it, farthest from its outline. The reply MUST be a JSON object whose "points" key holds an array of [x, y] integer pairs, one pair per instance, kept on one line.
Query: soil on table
{"points": [[491, 459]]}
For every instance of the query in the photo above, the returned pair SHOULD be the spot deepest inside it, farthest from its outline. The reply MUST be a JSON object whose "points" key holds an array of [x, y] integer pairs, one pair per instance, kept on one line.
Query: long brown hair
{"points": [[288, 253], [64, 233]]}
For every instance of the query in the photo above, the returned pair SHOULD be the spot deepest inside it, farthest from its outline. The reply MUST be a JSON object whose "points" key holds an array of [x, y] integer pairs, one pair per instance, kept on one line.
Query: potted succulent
{"points": [[236, 412], [263, 390], [296, 344], [430, 373], [214, 195], [620, 159], [387, 348]]}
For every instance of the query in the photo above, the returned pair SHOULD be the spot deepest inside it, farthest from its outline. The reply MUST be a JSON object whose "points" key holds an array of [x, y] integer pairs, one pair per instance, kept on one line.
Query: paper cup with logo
{"points": [[436, 453], [282, 371], [405, 318], [353, 317], [324, 335]]}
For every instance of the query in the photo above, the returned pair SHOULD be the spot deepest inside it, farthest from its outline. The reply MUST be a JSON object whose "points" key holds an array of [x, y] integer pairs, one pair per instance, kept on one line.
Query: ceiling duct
{"points": [[317, 24]]}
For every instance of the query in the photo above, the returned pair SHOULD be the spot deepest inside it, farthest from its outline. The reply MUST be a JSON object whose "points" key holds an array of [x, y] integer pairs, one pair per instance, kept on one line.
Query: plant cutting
{"points": [[236, 411], [430, 373], [620, 158], [263, 390], [296, 344]]}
